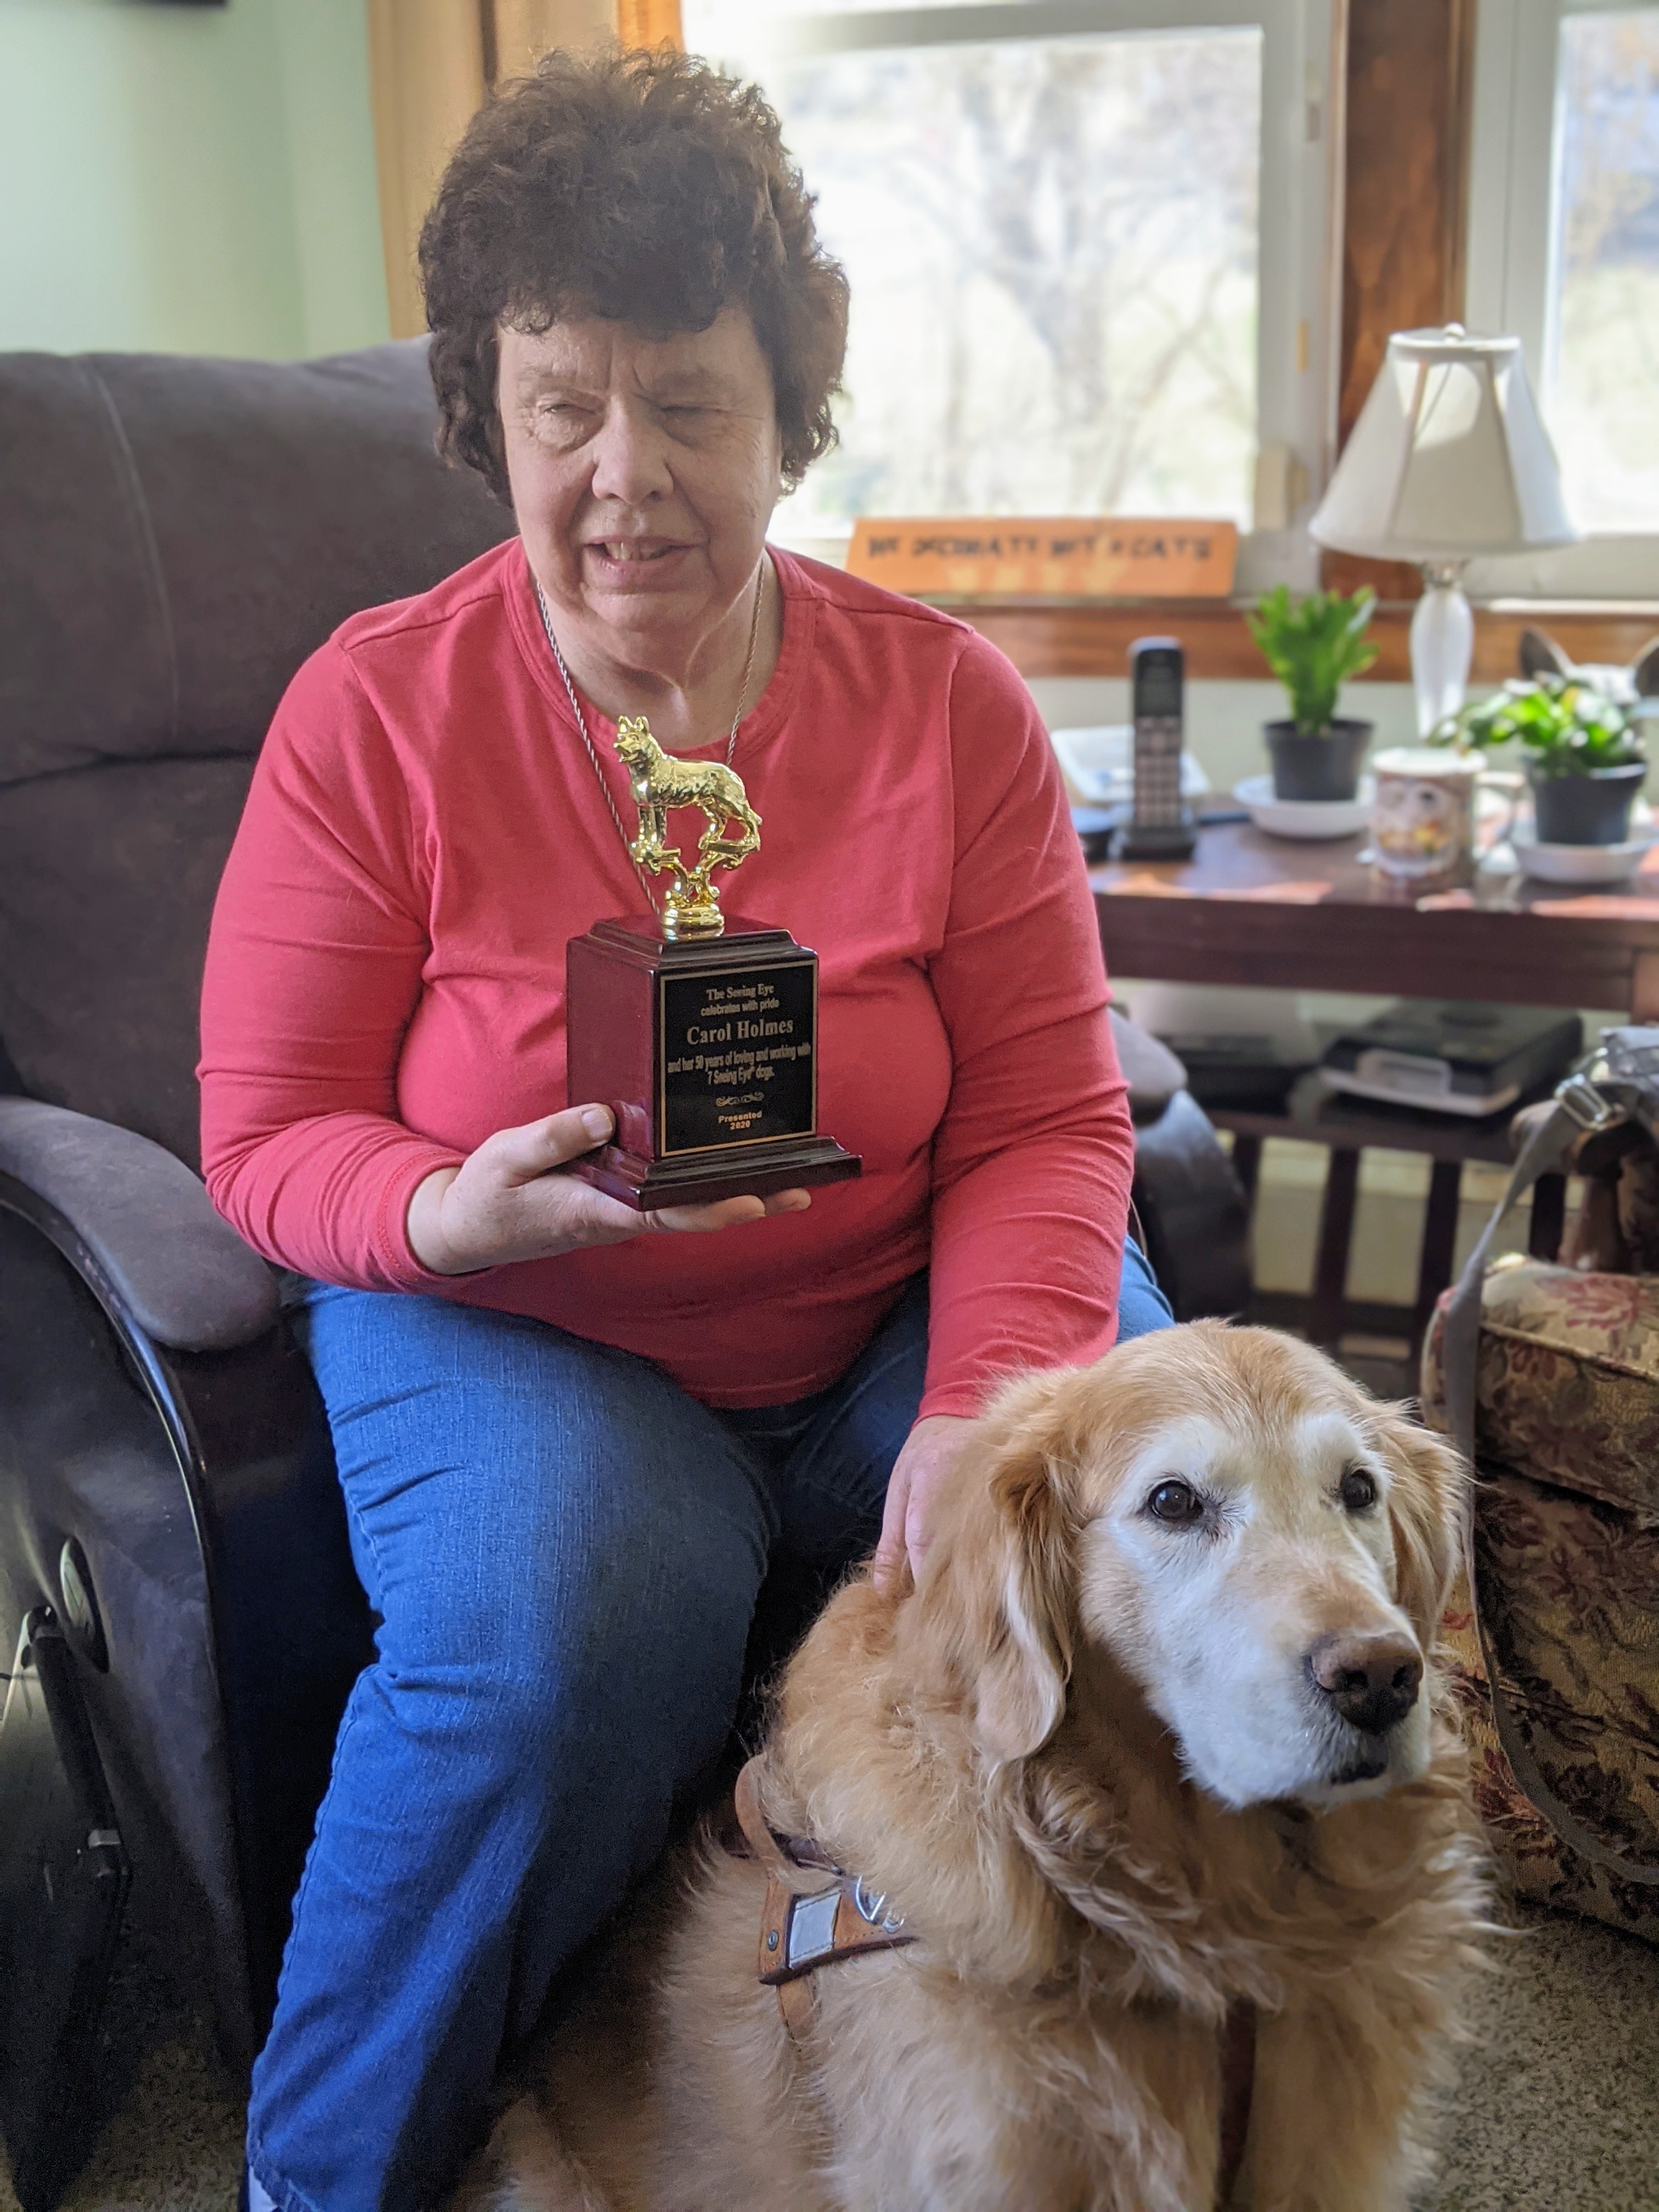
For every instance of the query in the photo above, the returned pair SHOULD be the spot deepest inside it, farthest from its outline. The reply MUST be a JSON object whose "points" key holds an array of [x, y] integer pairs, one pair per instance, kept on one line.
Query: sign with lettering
{"points": [[737, 1066], [1111, 559]]}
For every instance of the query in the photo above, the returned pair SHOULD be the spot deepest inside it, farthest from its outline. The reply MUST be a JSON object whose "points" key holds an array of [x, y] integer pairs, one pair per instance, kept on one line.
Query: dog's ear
{"points": [[1426, 1515], [997, 1590]]}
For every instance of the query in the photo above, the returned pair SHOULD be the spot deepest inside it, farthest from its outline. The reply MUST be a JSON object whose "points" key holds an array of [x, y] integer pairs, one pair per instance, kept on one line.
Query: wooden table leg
{"points": [[1335, 1233], [1247, 1166], [1439, 1247]]}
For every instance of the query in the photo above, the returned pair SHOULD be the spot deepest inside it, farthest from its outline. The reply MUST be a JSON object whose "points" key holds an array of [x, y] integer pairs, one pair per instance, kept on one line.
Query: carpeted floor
{"points": [[1556, 2109]]}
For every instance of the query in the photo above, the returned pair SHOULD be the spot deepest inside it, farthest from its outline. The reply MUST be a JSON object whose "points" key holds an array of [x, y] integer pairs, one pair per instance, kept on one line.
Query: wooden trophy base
{"points": [[753, 1171], [705, 1048]]}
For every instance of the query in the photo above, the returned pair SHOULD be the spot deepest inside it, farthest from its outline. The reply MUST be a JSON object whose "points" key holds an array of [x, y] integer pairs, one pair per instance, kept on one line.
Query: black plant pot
{"points": [[1323, 767], [1592, 809]]}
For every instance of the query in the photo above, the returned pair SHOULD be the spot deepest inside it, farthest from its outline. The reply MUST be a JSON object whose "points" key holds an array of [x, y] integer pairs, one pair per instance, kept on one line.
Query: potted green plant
{"points": [[1313, 645], [1584, 754]]}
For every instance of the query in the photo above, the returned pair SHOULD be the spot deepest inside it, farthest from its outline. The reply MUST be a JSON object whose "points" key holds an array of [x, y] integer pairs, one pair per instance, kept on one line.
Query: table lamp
{"points": [[1449, 459]]}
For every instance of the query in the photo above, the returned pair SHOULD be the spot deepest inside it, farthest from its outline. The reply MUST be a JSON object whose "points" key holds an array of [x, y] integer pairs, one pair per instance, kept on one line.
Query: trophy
{"points": [[699, 1033]]}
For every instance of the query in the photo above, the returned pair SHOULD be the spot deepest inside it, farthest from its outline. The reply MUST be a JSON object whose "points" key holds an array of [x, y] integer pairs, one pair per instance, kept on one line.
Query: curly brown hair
{"points": [[643, 188]]}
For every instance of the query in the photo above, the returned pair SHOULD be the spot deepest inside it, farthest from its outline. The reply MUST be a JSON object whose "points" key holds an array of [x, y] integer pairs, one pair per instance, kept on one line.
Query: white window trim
{"points": [[1512, 254], [1297, 334]]}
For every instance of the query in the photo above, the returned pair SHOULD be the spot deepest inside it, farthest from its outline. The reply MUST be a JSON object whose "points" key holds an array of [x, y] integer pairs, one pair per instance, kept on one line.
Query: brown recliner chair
{"points": [[178, 1610]]}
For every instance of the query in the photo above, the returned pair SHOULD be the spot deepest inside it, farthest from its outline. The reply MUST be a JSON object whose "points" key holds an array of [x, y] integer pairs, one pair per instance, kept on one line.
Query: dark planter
{"points": [[1585, 810], [1325, 767]]}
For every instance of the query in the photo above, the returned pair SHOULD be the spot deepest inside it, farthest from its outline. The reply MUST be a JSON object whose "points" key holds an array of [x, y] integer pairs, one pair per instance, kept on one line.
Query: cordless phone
{"points": [[1159, 827]]}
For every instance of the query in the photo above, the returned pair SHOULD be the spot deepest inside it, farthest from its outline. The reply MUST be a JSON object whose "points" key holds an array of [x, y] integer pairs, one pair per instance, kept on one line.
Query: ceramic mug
{"points": [[1423, 814]]}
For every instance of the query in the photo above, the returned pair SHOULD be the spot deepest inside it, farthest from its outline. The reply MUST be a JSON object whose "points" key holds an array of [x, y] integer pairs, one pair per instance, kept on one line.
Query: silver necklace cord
{"points": [[581, 719]]}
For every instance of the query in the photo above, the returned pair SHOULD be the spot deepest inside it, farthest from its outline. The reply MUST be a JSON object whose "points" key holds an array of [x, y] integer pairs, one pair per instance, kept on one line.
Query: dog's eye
{"points": [[1358, 1490], [1176, 1502]]}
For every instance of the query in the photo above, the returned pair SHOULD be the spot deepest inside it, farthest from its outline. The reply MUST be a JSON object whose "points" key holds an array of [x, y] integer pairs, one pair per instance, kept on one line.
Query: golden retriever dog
{"points": [[1156, 1738]]}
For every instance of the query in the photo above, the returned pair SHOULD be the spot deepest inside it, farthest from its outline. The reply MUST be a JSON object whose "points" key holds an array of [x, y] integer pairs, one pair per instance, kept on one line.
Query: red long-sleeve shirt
{"points": [[385, 985]]}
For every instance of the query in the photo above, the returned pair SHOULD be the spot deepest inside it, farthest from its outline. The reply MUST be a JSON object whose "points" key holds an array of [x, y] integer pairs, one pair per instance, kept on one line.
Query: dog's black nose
{"points": [[1372, 1680]]}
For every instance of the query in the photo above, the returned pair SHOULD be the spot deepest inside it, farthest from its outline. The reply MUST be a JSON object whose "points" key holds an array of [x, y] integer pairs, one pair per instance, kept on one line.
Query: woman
{"points": [[570, 1439]]}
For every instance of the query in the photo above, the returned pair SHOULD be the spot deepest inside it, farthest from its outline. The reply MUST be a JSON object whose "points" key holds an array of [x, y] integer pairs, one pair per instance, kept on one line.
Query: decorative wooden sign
{"points": [[1015, 558]]}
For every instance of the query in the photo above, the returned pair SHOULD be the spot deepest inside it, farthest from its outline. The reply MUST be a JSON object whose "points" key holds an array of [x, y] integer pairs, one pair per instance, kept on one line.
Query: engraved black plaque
{"points": [[738, 1064]]}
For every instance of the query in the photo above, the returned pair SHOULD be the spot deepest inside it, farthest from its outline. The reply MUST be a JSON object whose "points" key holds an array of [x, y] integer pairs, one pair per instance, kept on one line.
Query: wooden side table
{"points": [[1248, 908], [1251, 909]]}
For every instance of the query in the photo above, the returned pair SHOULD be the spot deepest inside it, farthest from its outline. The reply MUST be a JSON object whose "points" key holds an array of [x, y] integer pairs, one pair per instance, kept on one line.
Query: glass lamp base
{"points": [[1443, 645]]}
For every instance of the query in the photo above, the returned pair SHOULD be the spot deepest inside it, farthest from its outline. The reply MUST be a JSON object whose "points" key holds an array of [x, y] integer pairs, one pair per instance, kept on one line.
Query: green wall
{"points": [[188, 179]]}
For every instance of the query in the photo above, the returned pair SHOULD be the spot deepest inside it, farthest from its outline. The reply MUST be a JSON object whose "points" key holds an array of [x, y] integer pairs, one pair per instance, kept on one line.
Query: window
{"points": [[1564, 251], [1088, 250]]}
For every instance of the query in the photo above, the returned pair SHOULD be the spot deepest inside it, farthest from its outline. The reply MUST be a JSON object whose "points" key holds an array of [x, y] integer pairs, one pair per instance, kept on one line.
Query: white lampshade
{"points": [[1449, 457]]}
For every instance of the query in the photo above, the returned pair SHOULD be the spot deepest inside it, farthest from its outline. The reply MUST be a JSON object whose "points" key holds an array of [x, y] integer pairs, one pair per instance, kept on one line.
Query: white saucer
{"points": [[1577, 864], [1308, 818]]}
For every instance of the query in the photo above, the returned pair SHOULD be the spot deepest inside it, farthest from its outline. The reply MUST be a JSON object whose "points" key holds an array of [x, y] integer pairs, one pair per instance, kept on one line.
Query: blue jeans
{"points": [[565, 1552]]}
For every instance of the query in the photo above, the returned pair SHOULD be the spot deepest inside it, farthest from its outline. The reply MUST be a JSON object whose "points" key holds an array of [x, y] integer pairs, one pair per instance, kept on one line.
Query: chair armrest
{"points": [[184, 1276], [1150, 1068]]}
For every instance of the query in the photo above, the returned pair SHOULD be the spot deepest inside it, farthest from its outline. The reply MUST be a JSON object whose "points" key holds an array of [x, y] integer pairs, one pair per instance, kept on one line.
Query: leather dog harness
{"points": [[802, 1931]]}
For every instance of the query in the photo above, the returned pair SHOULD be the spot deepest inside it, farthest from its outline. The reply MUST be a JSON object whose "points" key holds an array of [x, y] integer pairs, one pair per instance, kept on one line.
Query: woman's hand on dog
{"points": [[923, 1469], [507, 1201]]}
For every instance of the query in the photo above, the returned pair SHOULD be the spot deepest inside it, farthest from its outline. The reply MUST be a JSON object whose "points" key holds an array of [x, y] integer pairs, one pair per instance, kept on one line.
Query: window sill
{"points": [[1074, 637]]}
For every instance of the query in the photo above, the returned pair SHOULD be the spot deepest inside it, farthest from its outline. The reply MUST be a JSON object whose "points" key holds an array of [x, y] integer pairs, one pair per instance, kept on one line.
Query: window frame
{"points": [[1297, 332], [1512, 252]]}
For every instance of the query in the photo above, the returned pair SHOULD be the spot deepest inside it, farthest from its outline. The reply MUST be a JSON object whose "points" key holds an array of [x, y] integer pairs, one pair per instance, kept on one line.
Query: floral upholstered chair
{"points": [[1566, 1553]]}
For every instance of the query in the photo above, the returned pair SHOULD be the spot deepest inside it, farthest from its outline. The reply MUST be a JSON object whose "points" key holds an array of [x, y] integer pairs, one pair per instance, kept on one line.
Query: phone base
{"points": [[1155, 841]]}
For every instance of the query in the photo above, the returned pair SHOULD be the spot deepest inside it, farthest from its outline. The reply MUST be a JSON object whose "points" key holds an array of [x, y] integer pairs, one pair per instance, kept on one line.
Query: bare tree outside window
{"points": [[1604, 409], [1053, 250]]}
